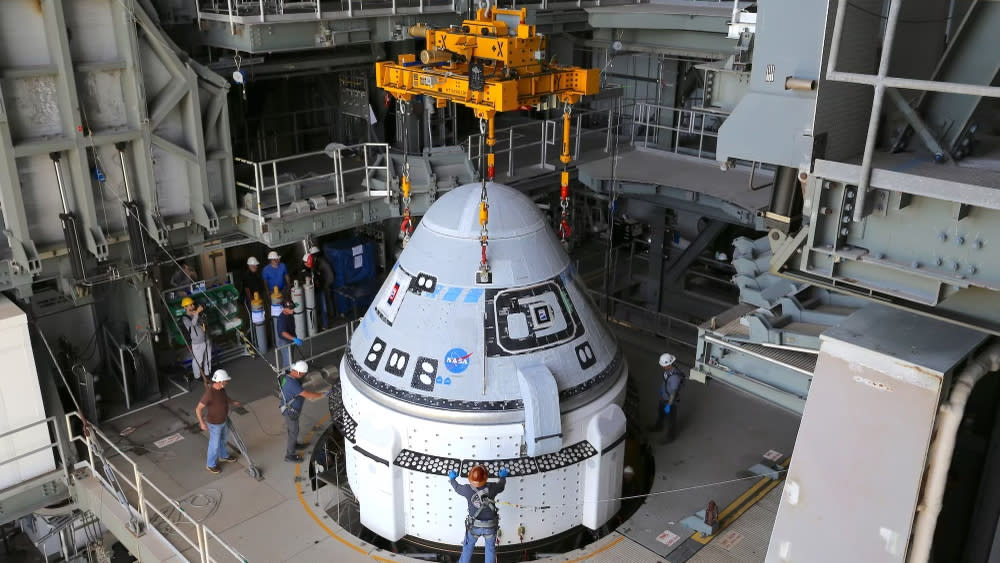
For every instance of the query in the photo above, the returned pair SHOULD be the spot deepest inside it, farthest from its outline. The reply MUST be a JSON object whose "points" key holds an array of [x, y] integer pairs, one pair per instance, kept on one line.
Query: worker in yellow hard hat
{"points": [[196, 333]]}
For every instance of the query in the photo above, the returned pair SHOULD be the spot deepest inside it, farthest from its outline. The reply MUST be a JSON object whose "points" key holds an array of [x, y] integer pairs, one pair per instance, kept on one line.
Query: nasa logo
{"points": [[457, 360], [392, 294]]}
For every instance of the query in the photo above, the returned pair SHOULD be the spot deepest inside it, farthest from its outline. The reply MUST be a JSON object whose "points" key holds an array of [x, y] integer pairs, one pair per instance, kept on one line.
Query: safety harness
{"points": [[472, 521], [286, 406]]}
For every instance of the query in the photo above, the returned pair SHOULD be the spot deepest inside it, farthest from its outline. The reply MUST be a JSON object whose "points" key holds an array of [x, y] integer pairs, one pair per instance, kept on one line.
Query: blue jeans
{"points": [[321, 298], [286, 354], [217, 436], [489, 541]]}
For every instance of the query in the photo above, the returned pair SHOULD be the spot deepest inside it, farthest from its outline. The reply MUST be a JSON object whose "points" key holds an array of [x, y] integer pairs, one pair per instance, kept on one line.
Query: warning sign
{"points": [[668, 538], [729, 540], [773, 455], [164, 442]]}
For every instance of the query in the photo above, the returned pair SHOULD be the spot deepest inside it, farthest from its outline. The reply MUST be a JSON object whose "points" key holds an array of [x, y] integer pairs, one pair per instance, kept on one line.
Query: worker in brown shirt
{"points": [[213, 412]]}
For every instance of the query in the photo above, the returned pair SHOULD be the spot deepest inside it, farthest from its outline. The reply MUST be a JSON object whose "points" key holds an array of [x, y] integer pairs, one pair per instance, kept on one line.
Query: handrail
{"points": [[347, 328], [95, 440], [55, 444], [543, 134], [646, 119], [671, 320], [266, 175]]}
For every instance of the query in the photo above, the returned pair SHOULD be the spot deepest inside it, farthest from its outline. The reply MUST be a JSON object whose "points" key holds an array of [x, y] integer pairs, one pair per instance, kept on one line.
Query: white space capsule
{"points": [[444, 373]]}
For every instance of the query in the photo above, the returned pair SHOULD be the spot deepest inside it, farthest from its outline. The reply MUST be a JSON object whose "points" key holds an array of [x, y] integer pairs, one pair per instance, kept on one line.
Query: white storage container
{"points": [[20, 401]]}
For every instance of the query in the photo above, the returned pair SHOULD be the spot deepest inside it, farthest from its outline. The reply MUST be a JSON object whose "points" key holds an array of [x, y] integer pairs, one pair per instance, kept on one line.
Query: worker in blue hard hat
{"points": [[670, 389], [483, 520]]}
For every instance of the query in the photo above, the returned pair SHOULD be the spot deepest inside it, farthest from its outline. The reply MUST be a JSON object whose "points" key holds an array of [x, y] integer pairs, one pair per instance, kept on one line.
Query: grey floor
{"points": [[723, 432]]}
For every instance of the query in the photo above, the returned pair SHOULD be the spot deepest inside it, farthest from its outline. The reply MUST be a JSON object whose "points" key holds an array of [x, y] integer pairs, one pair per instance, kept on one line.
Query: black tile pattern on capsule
{"points": [[424, 372], [503, 302], [374, 354], [517, 466], [394, 364], [345, 423], [458, 405], [567, 456], [422, 283], [425, 463], [585, 355]]}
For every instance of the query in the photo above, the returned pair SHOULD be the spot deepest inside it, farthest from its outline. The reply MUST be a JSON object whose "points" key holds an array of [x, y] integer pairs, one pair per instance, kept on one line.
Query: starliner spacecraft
{"points": [[445, 373]]}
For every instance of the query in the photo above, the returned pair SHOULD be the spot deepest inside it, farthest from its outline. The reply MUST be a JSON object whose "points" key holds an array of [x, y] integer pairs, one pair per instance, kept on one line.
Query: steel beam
{"points": [[73, 126], [15, 221]]}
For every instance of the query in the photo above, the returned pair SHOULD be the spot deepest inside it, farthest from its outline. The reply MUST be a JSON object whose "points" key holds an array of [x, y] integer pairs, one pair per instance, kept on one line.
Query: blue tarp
{"points": [[353, 263]]}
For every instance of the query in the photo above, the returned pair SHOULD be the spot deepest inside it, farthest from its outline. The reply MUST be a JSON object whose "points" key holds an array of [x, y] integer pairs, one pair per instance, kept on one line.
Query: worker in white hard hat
{"points": [[670, 389], [252, 282], [212, 412], [315, 267], [293, 396], [275, 274]]}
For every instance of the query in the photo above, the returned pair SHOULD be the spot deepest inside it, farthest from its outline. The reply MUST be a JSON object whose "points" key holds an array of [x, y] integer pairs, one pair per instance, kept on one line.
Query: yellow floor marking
{"points": [[741, 504], [302, 499]]}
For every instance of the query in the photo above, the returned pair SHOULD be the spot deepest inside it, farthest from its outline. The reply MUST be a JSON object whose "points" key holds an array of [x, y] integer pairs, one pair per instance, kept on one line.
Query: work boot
{"points": [[213, 469], [301, 445], [228, 459]]}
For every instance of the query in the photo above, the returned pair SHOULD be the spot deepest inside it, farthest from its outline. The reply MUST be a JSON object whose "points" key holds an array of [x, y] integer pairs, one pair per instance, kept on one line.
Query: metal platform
{"points": [[715, 445], [686, 182]]}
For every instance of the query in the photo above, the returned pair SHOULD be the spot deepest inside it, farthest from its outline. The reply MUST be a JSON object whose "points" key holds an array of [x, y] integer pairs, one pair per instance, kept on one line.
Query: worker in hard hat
{"points": [[197, 336], [322, 274], [483, 520], [251, 281], [670, 389], [212, 412], [293, 396], [286, 331], [275, 274]]}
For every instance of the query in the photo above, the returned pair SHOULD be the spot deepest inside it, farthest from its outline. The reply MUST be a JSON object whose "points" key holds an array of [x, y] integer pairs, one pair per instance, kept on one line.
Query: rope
{"points": [[658, 493], [612, 208]]}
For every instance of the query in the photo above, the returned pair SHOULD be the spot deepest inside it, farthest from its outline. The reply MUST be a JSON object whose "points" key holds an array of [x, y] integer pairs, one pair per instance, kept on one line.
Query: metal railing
{"points": [[192, 533], [267, 185], [53, 431], [640, 318], [648, 120], [518, 143], [238, 12], [312, 350]]}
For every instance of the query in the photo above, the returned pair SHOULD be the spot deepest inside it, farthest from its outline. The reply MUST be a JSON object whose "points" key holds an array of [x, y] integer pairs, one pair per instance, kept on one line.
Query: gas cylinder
{"points": [[276, 311], [258, 318], [310, 297], [300, 309]]}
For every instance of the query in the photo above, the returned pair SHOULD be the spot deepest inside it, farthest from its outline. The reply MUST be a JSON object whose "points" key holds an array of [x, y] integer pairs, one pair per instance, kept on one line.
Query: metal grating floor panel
{"points": [[613, 548], [801, 360], [728, 322], [754, 534]]}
